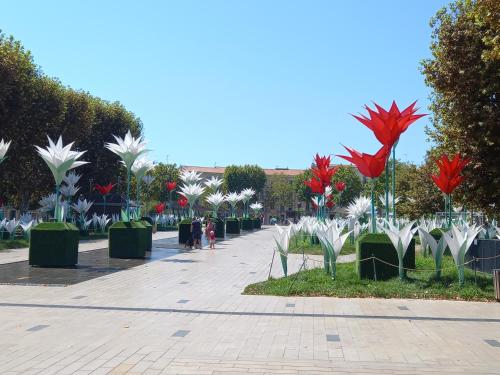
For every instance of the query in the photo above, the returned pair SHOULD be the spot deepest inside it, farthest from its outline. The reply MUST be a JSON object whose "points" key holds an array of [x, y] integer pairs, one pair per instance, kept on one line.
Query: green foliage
{"points": [[303, 192], [162, 173], [419, 284], [32, 106], [302, 244], [54, 244], [128, 240], [280, 192], [236, 178], [353, 181], [380, 246], [13, 244], [464, 74], [257, 224]]}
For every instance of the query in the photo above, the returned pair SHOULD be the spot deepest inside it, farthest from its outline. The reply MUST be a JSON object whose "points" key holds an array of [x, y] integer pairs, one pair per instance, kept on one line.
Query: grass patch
{"points": [[418, 285], [303, 243], [13, 244]]}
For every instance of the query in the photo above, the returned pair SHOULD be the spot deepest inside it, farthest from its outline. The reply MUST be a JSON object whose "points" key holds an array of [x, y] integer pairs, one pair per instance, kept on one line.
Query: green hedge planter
{"points": [[184, 231], [247, 224], [232, 226], [149, 226], [256, 223], [219, 228], [54, 245], [128, 240], [381, 247]]}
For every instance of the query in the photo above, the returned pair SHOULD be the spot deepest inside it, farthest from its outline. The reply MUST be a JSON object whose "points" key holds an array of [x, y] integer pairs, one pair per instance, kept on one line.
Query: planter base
{"points": [[149, 227], [247, 224], [184, 231], [219, 228], [54, 245], [128, 240], [232, 226], [257, 224]]}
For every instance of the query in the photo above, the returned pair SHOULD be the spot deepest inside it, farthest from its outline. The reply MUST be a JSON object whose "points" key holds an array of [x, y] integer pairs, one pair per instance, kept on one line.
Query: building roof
{"points": [[220, 170]]}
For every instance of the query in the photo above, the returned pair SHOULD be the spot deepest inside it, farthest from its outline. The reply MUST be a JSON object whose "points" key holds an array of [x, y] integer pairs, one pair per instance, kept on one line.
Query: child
{"points": [[212, 239]]}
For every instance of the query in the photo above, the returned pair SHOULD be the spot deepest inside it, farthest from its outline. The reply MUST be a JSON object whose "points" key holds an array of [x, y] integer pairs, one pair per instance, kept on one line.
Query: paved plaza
{"points": [[182, 312]]}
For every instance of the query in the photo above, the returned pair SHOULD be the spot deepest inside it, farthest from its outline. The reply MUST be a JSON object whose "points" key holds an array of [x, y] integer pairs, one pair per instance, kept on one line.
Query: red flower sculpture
{"points": [[171, 185], [159, 208], [104, 189], [316, 186], [182, 201], [389, 125], [340, 186], [449, 173], [323, 171], [330, 202], [368, 165]]}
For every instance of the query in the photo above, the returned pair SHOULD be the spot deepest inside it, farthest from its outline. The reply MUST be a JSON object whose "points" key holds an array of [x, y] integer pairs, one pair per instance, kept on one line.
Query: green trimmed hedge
{"points": [[149, 227], [256, 223], [54, 245], [380, 246], [184, 231], [128, 240], [219, 228], [232, 226], [247, 223]]}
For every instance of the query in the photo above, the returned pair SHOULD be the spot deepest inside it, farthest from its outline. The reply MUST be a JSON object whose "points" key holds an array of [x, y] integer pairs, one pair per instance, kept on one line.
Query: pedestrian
{"points": [[196, 231], [211, 239]]}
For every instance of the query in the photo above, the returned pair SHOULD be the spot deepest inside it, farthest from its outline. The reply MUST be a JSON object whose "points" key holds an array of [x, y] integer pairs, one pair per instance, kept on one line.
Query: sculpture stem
{"points": [[394, 183], [127, 210], [374, 223], [387, 189]]}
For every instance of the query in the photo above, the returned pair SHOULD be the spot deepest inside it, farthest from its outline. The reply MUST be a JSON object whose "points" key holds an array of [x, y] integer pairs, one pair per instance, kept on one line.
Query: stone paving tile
{"points": [[126, 322]]}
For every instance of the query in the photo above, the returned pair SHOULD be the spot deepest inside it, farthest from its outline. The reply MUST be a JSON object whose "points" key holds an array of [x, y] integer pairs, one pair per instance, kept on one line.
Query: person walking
{"points": [[197, 232]]}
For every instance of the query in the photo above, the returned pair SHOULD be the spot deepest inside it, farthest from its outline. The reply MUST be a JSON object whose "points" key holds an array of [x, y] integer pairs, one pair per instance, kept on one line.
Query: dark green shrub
{"points": [[380, 246], [149, 228], [184, 231], [437, 234], [232, 226], [219, 228], [247, 223], [128, 240], [256, 223], [54, 245]]}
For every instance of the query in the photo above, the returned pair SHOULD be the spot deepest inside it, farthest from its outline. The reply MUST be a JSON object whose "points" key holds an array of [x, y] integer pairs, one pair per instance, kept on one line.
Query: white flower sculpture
{"points": [[282, 239], [4, 147], [401, 239], [190, 177], [11, 226], [60, 159], [192, 192], [389, 196], [213, 183], [148, 180], [48, 203], [256, 208], [128, 149], [215, 200], [459, 242], [71, 178], [246, 195], [437, 247], [69, 190], [233, 199], [82, 206], [333, 240], [358, 208], [140, 167]]}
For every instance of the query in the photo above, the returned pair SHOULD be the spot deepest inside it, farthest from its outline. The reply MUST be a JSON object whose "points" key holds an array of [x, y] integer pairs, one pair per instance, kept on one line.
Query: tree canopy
{"points": [[237, 178]]}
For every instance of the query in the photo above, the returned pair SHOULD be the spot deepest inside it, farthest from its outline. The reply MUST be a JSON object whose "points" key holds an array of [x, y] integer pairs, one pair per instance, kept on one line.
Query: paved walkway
{"points": [[185, 314]]}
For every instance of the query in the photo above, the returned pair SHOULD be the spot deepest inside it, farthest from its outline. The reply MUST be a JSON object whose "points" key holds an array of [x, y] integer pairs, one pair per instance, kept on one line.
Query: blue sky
{"points": [[235, 82]]}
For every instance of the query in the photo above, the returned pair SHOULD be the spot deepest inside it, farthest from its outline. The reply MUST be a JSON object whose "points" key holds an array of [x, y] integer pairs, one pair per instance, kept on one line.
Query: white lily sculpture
{"points": [[214, 183], [391, 200], [233, 199], [437, 248], [192, 192], [69, 191], [358, 208], [48, 203], [100, 222], [148, 180], [256, 208], [459, 242], [4, 147], [82, 206], [71, 178], [11, 226], [190, 177], [26, 227], [215, 200], [140, 167], [60, 159], [282, 239], [246, 195], [128, 149], [401, 239], [333, 240], [426, 226]]}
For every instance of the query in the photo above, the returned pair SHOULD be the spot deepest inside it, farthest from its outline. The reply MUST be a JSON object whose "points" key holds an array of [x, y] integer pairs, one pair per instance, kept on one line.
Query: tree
{"points": [[303, 191], [236, 178], [464, 74], [281, 191], [162, 174], [354, 184]]}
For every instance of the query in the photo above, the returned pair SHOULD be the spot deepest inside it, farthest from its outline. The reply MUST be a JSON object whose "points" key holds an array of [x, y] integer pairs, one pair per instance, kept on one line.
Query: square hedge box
{"points": [[380, 246], [54, 245], [128, 240]]}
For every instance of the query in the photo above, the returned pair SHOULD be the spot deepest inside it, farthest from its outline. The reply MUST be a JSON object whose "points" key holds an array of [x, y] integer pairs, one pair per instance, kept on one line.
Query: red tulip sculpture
{"points": [[321, 180], [170, 185], [370, 166], [104, 190], [449, 178], [159, 208], [387, 126], [182, 202]]}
